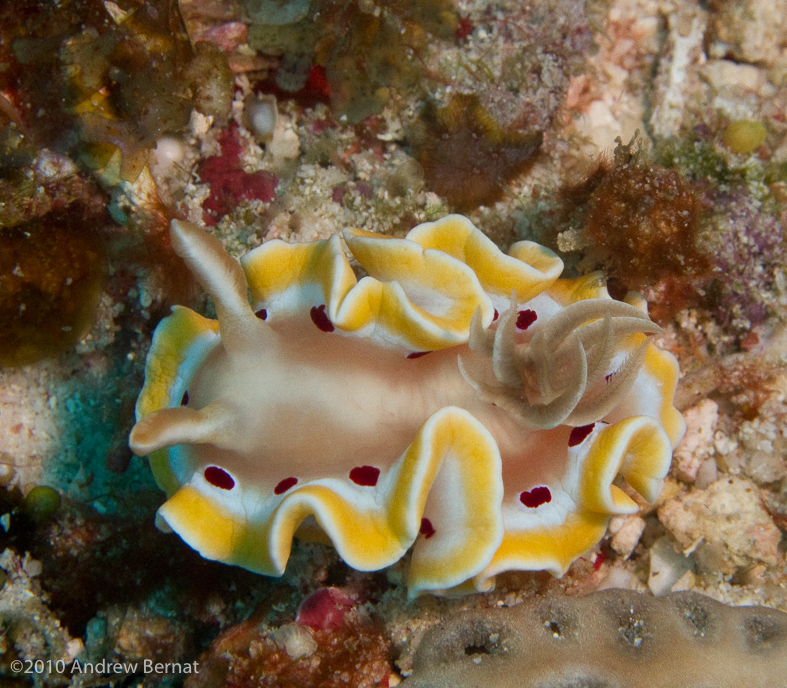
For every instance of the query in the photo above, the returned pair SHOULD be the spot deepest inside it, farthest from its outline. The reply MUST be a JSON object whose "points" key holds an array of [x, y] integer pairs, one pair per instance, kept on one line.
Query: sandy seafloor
{"points": [[95, 580]]}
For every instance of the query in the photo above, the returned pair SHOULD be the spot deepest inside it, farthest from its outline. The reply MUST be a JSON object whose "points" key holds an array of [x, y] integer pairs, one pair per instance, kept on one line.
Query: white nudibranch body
{"points": [[457, 401]]}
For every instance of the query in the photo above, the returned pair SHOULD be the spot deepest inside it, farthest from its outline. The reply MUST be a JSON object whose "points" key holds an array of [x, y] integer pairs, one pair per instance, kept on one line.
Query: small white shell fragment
{"points": [[707, 474], [666, 566], [260, 115], [618, 578], [296, 640], [627, 537], [701, 423]]}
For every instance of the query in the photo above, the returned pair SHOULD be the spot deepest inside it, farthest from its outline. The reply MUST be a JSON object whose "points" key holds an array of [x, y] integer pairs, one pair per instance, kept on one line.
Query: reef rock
{"points": [[609, 639]]}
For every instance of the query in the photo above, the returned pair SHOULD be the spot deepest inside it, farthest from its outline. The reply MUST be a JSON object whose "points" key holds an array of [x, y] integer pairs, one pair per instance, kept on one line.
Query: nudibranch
{"points": [[469, 405]]}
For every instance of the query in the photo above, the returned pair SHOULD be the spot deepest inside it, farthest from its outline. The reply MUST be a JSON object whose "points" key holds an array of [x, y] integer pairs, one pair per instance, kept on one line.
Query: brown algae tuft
{"points": [[467, 156]]}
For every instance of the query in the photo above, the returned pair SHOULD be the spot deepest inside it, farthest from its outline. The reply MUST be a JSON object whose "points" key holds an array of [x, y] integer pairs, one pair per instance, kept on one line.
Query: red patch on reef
{"points": [[525, 318], [350, 652], [218, 477], [324, 609], [579, 434], [418, 354], [262, 314], [229, 183], [320, 318], [629, 196], [750, 341], [496, 315], [285, 485], [366, 476], [317, 85], [464, 29], [315, 90], [536, 497], [337, 195], [600, 559], [427, 529]]}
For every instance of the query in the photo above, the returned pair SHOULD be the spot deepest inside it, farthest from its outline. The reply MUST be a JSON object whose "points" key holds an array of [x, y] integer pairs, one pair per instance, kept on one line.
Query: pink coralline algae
{"points": [[747, 257], [332, 643], [324, 609], [229, 183]]}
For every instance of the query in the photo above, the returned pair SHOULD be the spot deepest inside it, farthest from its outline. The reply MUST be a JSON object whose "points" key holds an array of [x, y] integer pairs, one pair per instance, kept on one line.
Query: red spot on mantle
{"points": [[324, 608], [218, 477], [320, 318], [285, 485], [525, 318], [367, 476], [496, 315], [536, 497], [427, 529], [579, 434], [262, 314]]}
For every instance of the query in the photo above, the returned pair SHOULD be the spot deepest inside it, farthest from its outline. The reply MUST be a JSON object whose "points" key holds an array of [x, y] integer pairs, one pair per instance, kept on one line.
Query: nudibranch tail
{"points": [[458, 402]]}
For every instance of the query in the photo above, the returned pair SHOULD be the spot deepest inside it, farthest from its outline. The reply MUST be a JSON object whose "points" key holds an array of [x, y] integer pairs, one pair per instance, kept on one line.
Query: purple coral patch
{"points": [[536, 497]]}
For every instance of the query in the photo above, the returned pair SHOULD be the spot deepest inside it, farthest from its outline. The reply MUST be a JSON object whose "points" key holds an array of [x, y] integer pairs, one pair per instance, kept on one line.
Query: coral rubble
{"points": [[116, 117]]}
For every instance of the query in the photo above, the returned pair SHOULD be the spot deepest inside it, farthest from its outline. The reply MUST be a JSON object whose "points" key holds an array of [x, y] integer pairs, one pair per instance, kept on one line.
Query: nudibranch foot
{"points": [[464, 404]]}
